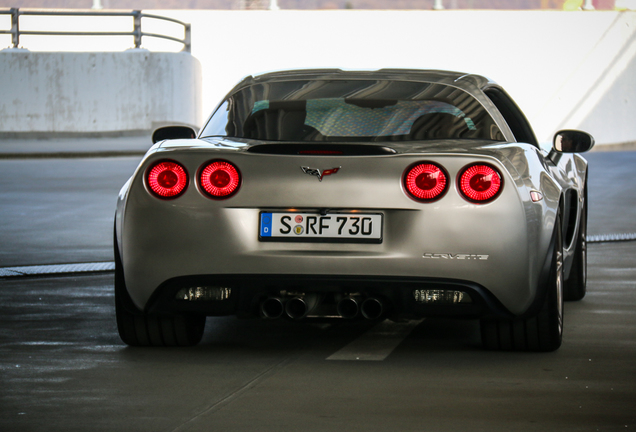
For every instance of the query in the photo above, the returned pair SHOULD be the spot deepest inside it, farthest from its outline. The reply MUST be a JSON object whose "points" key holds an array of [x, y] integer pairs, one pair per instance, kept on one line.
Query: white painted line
{"points": [[38, 270], [378, 343], [611, 238]]}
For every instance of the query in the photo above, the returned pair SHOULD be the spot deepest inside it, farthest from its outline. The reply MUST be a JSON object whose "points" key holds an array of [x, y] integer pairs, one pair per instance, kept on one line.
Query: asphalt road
{"points": [[56, 211], [63, 367]]}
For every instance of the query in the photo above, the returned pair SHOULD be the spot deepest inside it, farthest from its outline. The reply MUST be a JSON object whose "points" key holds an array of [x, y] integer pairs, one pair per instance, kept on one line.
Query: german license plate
{"points": [[332, 227]]}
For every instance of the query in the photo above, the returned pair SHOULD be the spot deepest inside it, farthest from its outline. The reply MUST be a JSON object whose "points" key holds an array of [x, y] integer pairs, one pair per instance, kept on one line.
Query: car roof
{"points": [[458, 79]]}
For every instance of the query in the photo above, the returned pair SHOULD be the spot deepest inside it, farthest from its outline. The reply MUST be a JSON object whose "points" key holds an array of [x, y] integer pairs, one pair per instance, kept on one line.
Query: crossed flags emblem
{"points": [[316, 172]]}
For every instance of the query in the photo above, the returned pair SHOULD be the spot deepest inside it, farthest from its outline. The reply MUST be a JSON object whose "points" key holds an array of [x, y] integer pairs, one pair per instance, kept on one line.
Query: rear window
{"points": [[351, 111]]}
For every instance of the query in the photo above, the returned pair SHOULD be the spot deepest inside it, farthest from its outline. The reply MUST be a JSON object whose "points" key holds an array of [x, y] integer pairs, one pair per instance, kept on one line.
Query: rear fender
{"points": [[544, 277]]}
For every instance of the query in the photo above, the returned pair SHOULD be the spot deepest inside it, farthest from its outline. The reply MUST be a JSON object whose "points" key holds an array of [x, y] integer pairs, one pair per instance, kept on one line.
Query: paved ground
{"points": [[59, 210], [63, 367]]}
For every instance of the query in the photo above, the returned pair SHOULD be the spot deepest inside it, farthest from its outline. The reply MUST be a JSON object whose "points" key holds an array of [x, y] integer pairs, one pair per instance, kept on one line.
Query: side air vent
{"points": [[322, 149]]}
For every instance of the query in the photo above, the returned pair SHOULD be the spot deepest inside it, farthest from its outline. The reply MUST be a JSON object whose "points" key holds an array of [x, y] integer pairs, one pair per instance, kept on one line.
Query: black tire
{"points": [[576, 284], [137, 328], [542, 332]]}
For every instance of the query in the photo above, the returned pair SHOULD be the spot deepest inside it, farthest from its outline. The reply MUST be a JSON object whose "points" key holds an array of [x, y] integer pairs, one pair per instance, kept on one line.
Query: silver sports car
{"points": [[355, 195]]}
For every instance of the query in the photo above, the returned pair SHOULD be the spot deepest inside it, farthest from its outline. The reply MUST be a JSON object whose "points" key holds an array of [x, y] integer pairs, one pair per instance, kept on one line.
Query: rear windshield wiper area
{"points": [[322, 149]]}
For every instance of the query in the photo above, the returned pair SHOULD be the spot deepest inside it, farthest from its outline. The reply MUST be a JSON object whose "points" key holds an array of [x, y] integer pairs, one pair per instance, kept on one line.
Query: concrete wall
{"points": [[79, 92], [565, 69]]}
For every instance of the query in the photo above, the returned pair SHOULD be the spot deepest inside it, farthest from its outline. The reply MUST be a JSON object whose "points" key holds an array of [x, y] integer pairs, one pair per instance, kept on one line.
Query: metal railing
{"points": [[137, 33]]}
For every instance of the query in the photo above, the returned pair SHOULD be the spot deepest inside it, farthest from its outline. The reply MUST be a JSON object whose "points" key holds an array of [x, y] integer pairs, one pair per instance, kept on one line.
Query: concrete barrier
{"points": [[110, 92]]}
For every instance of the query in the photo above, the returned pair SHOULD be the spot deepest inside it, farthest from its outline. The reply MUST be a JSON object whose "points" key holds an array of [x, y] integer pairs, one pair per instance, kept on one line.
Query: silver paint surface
{"points": [[194, 235]]}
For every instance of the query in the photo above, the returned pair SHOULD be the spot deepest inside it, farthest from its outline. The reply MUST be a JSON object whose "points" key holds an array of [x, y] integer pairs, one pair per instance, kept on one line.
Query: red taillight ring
{"points": [[426, 181], [167, 179], [480, 183], [219, 179]]}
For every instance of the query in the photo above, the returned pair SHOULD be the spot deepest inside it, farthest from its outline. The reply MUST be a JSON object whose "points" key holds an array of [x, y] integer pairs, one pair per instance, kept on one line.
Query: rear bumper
{"points": [[486, 249], [397, 295], [499, 247]]}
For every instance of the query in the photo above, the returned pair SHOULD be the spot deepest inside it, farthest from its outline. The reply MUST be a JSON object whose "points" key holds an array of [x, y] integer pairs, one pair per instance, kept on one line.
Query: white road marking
{"points": [[378, 343], [57, 269]]}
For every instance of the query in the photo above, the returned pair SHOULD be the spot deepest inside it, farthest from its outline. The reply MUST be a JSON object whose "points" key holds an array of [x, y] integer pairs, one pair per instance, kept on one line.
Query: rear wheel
{"points": [[542, 332], [137, 328], [576, 285]]}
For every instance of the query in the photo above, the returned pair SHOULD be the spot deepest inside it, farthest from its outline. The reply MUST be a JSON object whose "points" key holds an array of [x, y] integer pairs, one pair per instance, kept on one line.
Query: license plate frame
{"points": [[315, 227]]}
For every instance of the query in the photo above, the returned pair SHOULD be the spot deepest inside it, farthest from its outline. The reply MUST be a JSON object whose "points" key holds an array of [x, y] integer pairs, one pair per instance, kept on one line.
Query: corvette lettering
{"points": [[449, 256], [316, 172]]}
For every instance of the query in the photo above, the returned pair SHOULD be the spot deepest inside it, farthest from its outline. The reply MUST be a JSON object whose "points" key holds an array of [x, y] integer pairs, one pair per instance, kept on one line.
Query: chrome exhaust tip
{"points": [[296, 308], [272, 308], [348, 307], [299, 307], [372, 308]]}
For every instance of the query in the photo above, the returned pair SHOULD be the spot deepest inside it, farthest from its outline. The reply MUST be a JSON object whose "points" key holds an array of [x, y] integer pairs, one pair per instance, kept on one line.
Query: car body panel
{"points": [[501, 246]]}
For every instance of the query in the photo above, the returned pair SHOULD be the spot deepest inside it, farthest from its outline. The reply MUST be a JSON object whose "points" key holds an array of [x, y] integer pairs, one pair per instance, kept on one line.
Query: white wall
{"points": [[134, 90], [565, 69]]}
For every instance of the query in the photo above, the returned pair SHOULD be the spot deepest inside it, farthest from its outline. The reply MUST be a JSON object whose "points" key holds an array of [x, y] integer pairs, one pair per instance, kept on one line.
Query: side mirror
{"points": [[173, 132], [572, 141]]}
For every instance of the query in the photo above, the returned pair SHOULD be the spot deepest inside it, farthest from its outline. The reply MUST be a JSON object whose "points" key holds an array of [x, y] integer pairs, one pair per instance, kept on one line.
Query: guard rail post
{"points": [[15, 27], [187, 40], [137, 28]]}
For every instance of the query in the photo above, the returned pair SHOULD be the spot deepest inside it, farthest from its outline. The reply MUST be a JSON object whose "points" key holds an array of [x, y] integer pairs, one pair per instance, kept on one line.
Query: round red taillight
{"points": [[167, 179], [426, 181], [480, 183], [220, 179]]}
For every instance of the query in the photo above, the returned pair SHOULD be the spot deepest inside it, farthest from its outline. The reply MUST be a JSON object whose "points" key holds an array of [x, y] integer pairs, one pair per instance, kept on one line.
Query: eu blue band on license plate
{"points": [[266, 224], [314, 227]]}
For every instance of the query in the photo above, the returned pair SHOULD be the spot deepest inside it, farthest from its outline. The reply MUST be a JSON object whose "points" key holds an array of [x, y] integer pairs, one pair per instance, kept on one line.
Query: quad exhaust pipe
{"points": [[272, 308], [300, 306], [295, 308], [349, 307], [372, 308]]}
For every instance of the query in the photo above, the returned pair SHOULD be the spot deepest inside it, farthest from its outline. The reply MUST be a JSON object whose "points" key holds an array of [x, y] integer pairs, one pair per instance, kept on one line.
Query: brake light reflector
{"points": [[167, 179], [480, 183], [220, 179], [426, 181]]}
